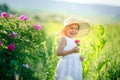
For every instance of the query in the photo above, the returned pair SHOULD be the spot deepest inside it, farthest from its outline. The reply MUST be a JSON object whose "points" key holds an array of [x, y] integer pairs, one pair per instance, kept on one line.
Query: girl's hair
{"points": [[67, 27]]}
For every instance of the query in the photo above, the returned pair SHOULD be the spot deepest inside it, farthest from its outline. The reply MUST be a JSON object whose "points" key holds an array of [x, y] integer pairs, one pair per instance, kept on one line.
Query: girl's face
{"points": [[72, 30]]}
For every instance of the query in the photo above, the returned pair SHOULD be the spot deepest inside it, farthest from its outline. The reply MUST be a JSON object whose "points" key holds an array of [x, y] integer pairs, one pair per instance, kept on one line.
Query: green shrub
{"points": [[20, 47]]}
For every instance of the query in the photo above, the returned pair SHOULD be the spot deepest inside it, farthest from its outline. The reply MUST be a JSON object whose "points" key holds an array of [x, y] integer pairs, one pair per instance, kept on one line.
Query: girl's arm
{"points": [[61, 45]]}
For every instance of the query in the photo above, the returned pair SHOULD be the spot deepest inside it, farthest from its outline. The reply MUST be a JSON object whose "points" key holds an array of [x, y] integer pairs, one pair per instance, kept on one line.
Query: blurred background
{"points": [[93, 11], [101, 47]]}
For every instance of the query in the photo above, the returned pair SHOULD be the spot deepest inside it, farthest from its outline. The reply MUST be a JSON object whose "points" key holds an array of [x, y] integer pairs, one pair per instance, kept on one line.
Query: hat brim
{"points": [[84, 27]]}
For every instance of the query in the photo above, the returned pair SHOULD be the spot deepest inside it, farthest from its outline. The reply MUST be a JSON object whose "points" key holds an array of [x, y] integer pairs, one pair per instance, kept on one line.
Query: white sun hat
{"points": [[84, 26]]}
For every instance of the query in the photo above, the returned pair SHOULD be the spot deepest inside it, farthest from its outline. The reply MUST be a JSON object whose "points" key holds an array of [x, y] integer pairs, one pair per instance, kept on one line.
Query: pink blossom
{"points": [[12, 35], [77, 42], [4, 15], [11, 15], [11, 47], [0, 43], [36, 26], [22, 17]]}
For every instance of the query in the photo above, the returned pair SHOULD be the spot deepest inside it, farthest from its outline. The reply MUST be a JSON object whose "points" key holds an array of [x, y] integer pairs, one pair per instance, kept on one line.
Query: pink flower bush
{"points": [[0, 43], [11, 15], [77, 42], [18, 36], [22, 17], [12, 35], [36, 26], [4, 15], [11, 47]]}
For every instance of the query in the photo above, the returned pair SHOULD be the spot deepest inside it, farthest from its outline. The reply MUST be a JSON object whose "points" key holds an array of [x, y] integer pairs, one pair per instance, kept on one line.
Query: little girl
{"points": [[69, 66]]}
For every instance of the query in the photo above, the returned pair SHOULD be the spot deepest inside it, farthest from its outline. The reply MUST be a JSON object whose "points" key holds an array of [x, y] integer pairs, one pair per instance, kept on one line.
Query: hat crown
{"points": [[69, 21]]}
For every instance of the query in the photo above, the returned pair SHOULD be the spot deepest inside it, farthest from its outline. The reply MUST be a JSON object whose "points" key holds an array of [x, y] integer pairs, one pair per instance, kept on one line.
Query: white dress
{"points": [[69, 67]]}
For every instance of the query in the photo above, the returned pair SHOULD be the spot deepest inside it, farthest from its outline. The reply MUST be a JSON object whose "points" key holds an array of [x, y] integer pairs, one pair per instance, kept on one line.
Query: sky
{"points": [[104, 2]]}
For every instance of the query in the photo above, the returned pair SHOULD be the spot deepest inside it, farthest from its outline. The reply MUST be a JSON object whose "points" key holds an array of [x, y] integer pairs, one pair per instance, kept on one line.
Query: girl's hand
{"points": [[82, 58], [75, 50]]}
